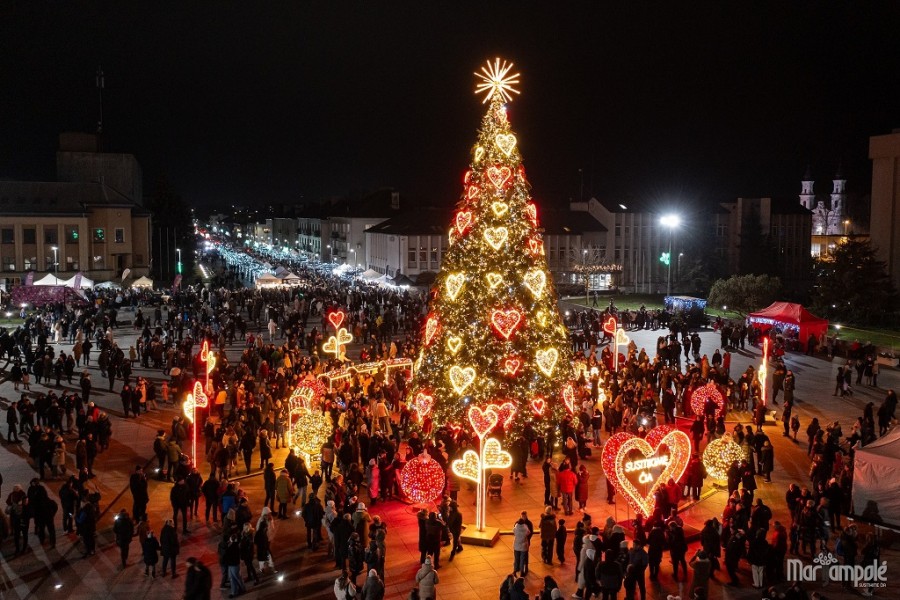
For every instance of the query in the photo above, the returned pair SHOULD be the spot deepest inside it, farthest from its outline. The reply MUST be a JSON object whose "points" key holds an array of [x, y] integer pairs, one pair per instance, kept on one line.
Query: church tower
{"points": [[807, 196], [838, 199]]}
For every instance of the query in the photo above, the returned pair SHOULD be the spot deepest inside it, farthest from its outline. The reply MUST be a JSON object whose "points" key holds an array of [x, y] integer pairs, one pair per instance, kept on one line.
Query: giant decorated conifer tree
{"points": [[494, 334]]}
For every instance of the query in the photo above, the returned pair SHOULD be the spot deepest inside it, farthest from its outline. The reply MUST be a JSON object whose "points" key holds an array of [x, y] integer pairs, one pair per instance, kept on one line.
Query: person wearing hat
{"points": [[198, 582], [454, 526], [702, 567], [426, 579], [361, 521], [373, 588]]}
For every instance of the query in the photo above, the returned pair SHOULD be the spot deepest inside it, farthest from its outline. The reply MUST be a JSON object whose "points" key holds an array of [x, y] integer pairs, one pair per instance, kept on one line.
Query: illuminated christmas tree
{"points": [[494, 334]]}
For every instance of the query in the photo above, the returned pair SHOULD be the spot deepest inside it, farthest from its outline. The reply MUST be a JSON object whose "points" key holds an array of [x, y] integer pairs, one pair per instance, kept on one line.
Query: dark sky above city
{"points": [[254, 103]]}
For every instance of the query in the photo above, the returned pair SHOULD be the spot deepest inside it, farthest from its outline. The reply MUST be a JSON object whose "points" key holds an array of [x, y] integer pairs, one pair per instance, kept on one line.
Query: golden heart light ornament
{"points": [[637, 467], [479, 154], [621, 338], [463, 221], [423, 404], [195, 400], [506, 142], [546, 360], [454, 344], [494, 279], [472, 192], [535, 280], [468, 467], [499, 208], [334, 343], [496, 236], [461, 378], [431, 328], [568, 396], [454, 284], [483, 421], [531, 212], [495, 457], [499, 175]]}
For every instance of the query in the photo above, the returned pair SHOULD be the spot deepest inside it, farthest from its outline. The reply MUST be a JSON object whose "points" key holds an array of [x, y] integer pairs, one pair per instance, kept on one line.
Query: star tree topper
{"points": [[496, 80]]}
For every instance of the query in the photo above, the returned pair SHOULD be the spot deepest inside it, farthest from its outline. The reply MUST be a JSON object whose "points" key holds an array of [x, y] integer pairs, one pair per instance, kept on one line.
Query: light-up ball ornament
{"points": [[638, 467], [719, 455], [422, 479], [310, 431], [467, 467], [702, 394]]}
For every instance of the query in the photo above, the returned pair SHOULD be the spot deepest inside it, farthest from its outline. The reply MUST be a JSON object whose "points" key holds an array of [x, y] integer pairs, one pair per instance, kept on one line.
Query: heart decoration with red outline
{"points": [[568, 396], [423, 404], [463, 221], [610, 325], [472, 192], [431, 329], [531, 212], [537, 406], [505, 413], [499, 175], [505, 321], [536, 247], [204, 351], [483, 421], [336, 318], [512, 365]]}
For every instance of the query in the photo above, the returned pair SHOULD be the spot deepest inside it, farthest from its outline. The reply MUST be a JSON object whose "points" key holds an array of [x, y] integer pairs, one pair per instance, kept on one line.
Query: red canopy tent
{"points": [[787, 314]]}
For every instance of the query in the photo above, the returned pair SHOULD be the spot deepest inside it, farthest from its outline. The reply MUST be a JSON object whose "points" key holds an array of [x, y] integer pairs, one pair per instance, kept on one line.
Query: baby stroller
{"points": [[495, 485]]}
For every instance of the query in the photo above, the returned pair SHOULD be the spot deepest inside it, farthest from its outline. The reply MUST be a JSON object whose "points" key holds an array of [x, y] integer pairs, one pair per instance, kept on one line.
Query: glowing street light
{"points": [[670, 222], [55, 261]]}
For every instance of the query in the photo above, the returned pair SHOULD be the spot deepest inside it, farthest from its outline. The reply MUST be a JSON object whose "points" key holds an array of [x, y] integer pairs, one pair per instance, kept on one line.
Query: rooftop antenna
{"points": [[100, 85]]}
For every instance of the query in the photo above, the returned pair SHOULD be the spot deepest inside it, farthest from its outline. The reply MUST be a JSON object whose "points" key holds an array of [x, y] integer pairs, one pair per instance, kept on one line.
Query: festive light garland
{"points": [[422, 479], [664, 454], [719, 455], [702, 394]]}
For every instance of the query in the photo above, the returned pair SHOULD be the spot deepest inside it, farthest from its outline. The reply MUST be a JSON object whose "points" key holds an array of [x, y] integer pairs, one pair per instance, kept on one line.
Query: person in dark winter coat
{"points": [[247, 546], [150, 549], [168, 541], [198, 583], [180, 499], [123, 528]]}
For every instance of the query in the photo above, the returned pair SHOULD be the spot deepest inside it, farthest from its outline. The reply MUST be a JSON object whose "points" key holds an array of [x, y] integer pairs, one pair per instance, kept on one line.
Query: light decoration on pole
{"points": [[637, 467], [196, 399], [719, 455], [422, 479], [763, 371], [702, 394], [336, 343], [336, 318], [209, 360]]}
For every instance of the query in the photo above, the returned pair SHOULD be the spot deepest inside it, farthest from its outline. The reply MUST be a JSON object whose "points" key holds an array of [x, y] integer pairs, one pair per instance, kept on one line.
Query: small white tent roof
{"points": [[86, 283], [50, 279], [874, 467], [370, 274], [108, 285], [264, 280], [142, 282]]}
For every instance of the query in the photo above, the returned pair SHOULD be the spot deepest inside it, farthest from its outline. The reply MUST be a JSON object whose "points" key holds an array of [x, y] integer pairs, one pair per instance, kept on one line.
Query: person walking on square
{"points": [[123, 528], [150, 550], [520, 547], [426, 579], [560, 537], [547, 528], [454, 525], [168, 542]]}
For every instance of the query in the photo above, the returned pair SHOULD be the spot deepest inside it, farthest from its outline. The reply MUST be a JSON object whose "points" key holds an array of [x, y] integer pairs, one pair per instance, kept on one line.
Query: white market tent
{"points": [[108, 285], [86, 283], [142, 282], [875, 467], [370, 275], [280, 271], [50, 279], [267, 281], [290, 278]]}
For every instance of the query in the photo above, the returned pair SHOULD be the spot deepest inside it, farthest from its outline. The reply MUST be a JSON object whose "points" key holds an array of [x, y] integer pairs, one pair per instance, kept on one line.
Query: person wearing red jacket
{"points": [[566, 480]]}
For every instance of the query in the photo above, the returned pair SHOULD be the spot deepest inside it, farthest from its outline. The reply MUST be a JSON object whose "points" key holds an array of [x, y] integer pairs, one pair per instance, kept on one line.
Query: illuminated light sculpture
{"points": [[479, 154], [496, 236], [336, 318], [637, 467], [710, 391], [719, 456], [496, 81], [494, 279], [531, 213], [463, 221], [422, 479], [506, 142], [335, 344], [537, 406], [311, 430], [621, 340], [568, 396], [483, 421], [454, 343], [195, 400], [512, 365], [494, 456], [535, 281], [506, 320], [468, 467], [546, 360], [505, 413], [473, 191], [209, 360], [431, 329], [453, 284], [499, 175], [536, 247], [763, 371], [423, 403], [499, 208], [461, 378], [302, 398], [610, 326]]}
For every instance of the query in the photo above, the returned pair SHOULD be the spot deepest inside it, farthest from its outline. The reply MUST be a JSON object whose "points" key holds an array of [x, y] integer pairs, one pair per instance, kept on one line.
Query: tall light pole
{"points": [[55, 260], [178, 265], [670, 222], [329, 252]]}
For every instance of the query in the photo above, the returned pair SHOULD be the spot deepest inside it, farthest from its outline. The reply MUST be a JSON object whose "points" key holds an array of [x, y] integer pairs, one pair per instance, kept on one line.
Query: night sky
{"points": [[257, 103]]}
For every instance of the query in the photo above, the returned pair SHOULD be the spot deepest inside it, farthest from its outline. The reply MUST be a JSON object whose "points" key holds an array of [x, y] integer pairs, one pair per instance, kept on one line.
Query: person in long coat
{"points": [[150, 550], [582, 487], [168, 541]]}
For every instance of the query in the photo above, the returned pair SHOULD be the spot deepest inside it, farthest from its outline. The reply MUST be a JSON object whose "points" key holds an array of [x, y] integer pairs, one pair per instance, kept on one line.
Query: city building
{"points": [[830, 216], [90, 220], [884, 224]]}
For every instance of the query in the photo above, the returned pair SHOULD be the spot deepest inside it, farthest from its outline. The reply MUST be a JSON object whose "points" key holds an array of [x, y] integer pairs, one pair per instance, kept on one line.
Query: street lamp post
{"points": [[178, 265], [55, 259], [671, 222], [329, 252]]}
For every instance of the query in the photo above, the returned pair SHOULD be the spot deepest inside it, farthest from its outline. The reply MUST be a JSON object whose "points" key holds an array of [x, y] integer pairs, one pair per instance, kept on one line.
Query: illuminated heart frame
{"points": [[615, 455], [506, 142], [463, 221], [499, 175], [336, 318], [506, 320], [467, 467], [454, 343], [495, 457], [453, 284], [537, 406], [499, 208], [494, 279], [483, 421], [496, 236], [546, 360], [568, 396], [423, 403], [535, 280], [431, 329], [461, 378], [610, 326]]}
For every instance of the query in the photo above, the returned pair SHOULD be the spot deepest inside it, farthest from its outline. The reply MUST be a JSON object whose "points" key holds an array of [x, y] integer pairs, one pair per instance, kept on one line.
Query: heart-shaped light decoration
{"points": [[454, 284], [472, 192], [431, 328], [334, 343], [506, 320], [531, 213], [610, 326], [496, 236], [499, 208], [422, 479], [568, 396], [495, 457], [454, 344], [506, 142], [505, 413], [622, 338], [461, 378], [336, 318], [479, 154], [499, 175], [546, 360], [423, 403], [494, 279], [512, 365], [467, 467], [331, 346], [542, 318], [536, 247], [537, 406], [708, 392], [463, 221], [632, 463], [535, 280], [483, 421], [204, 351]]}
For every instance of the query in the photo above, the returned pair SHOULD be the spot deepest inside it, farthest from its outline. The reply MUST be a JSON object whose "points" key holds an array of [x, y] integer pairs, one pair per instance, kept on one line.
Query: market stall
{"points": [[793, 320]]}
